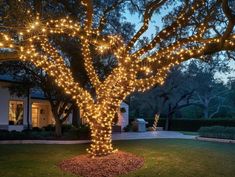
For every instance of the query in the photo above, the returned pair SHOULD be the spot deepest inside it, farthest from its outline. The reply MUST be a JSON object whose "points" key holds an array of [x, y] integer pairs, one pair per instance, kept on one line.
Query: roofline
{"points": [[10, 81], [38, 98], [125, 102]]}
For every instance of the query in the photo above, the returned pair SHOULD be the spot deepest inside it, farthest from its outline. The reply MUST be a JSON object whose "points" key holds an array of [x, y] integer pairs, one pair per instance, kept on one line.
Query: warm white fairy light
{"points": [[123, 80]]}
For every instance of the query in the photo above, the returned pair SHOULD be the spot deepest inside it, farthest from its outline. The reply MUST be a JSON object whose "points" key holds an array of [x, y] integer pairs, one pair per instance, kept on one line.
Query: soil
{"points": [[108, 166]]}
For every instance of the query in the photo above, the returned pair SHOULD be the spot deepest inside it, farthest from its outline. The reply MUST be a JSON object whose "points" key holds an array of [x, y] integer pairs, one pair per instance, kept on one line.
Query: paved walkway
{"points": [[151, 135], [116, 136]]}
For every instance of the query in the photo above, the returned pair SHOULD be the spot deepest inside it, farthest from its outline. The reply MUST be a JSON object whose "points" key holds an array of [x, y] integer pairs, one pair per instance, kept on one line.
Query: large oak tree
{"points": [[192, 29]]}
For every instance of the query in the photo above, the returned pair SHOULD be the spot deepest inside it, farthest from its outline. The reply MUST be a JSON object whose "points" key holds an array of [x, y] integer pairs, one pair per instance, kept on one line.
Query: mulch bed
{"points": [[109, 166]]}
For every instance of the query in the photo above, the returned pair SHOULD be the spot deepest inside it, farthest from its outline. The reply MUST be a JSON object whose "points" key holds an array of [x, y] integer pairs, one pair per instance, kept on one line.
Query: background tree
{"points": [[192, 84], [167, 99], [187, 34], [210, 93]]}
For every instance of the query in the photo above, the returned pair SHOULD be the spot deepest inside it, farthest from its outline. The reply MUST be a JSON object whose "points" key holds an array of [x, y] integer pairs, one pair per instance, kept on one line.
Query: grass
{"points": [[163, 158]]}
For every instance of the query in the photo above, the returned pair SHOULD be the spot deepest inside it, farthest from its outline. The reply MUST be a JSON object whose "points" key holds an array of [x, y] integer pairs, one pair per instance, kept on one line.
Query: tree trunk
{"points": [[101, 140], [76, 117], [168, 122], [168, 118], [100, 124], [206, 112], [58, 128]]}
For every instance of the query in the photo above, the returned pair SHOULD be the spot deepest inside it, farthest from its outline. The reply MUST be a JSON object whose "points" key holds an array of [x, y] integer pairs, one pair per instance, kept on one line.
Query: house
{"points": [[18, 113]]}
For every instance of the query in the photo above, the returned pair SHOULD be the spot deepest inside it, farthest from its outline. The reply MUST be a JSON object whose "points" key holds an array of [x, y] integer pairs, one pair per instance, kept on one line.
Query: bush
{"points": [[24, 135], [66, 127], [134, 126], [217, 132], [192, 124], [85, 129], [82, 132], [49, 127], [37, 129], [39, 135], [127, 128], [13, 135]]}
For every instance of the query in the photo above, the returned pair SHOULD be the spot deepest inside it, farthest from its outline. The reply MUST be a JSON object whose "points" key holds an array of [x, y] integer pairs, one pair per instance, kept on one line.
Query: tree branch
{"points": [[89, 14], [103, 19], [151, 7]]}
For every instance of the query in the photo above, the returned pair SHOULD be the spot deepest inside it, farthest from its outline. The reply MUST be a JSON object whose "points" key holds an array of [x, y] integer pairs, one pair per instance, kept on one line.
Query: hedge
{"points": [[217, 132], [192, 124]]}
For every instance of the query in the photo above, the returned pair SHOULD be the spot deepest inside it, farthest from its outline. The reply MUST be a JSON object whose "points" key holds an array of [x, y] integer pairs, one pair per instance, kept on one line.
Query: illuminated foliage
{"points": [[137, 69]]}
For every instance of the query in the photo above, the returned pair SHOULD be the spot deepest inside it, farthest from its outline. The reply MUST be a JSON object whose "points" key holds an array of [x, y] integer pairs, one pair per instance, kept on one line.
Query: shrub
{"points": [[39, 135], [37, 129], [192, 124], [84, 129], [49, 127], [134, 126], [66, 127], [127, 128], [217, 132]]}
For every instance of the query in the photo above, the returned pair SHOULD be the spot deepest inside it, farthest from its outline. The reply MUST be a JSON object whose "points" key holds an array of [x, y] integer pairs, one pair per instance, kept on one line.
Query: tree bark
{"points": [[58, 128], [76, 117], [168, 121], [169, 117], [206, 111]]}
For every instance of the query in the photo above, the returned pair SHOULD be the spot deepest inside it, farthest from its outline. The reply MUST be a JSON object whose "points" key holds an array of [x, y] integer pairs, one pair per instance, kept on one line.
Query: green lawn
{"points": [[163, 158]]}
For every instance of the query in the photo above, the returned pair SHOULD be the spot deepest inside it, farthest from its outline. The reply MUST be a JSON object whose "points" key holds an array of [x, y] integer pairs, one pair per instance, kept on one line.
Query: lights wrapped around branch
{"points": [[34, 45]]}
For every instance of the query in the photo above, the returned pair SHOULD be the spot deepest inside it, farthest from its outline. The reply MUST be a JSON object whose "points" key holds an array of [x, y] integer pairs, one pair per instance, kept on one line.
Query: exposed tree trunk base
{"points": [[101, 138], [58, 129], [168, 122]]}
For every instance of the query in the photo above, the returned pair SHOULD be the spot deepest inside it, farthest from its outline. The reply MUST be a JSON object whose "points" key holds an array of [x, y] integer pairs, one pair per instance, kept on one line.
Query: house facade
{"points": [[18, 113]]}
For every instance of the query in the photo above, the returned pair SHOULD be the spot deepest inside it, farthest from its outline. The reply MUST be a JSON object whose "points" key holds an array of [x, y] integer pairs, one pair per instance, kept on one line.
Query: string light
{"points": [[34, 46]]}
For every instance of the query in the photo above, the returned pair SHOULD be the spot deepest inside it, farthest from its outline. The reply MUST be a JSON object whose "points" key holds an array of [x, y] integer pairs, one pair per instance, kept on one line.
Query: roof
{"points": [[36, 93], [8, 78]]}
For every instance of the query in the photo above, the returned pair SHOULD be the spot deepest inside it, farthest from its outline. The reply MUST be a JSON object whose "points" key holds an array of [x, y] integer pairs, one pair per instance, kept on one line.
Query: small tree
{"points": [[137, 69]]}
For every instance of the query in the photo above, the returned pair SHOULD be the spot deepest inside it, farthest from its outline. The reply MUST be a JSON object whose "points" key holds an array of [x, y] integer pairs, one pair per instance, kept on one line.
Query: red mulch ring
{"points": [[109, 166]]}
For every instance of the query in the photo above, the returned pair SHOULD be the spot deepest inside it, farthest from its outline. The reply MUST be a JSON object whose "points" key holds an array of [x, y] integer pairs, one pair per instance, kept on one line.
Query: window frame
{"points": [[9, 102]]}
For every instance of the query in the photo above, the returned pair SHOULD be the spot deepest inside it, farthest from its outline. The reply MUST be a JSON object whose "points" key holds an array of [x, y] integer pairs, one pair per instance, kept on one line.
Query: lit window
{"points": [[16, 111]]}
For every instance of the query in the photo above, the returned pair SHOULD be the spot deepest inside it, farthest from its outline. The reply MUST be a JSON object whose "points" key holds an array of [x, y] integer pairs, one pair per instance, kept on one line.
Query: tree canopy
{"points": [[192, 29]]}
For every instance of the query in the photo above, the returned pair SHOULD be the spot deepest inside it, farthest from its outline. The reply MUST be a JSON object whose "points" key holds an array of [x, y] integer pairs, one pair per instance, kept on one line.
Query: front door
{"points": [[40, 115], [43, 116]]}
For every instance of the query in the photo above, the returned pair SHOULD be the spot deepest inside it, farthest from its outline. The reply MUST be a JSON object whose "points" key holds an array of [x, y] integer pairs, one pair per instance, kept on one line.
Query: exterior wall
{"points": [[4, 106], [45, 105], [5, 98], [123, 117], [43, 110]]}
